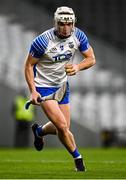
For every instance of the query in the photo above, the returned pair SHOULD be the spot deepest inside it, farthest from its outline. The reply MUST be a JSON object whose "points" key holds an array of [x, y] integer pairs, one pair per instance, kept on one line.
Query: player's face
{"points": [[64, 29]]}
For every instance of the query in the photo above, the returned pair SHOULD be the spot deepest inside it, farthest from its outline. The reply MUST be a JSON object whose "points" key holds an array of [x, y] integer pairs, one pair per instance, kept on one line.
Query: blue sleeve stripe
{"points": [[36, 46], [35, 52], [39, 43], [83, 39], [79, 34], [49, 35], [44, 42], [84, 44], [52, 36], [33, 45], [46, 36]]}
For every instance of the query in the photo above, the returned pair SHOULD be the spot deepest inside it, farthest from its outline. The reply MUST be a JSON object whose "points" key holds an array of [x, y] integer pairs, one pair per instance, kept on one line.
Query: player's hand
{"points": [[71, 69], [34, 97]]}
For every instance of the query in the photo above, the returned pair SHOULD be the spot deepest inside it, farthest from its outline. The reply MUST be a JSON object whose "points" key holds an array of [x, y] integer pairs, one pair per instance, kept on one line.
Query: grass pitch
{"points": [[58, 164]]}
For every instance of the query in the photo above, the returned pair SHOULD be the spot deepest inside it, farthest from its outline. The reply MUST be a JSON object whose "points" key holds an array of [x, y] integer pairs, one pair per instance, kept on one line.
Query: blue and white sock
{"points": [[76, 154]]}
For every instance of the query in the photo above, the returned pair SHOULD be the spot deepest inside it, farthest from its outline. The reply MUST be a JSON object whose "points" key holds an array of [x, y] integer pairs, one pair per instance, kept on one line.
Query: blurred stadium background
{"points": [[98, 96]]}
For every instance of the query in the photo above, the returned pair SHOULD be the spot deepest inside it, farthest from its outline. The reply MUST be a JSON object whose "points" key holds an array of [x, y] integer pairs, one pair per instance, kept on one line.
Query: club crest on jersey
{"points": [[71, 45], [63, 57], [61, 47]]}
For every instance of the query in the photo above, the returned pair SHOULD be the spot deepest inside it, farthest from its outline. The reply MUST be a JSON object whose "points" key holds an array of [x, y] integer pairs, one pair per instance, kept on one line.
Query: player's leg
{"points": [[59, 115], [79, 164], [65, 108], [49, 127], [40, 131], [56, 116], [60, 123]]}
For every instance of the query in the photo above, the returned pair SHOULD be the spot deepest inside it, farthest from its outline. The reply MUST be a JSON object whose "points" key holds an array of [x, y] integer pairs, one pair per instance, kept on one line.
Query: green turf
{"points": [[58, 164]]}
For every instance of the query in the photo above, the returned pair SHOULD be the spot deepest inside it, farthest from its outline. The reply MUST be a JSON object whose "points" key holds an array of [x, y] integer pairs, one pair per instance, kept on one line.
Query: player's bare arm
{"points": [[29, 75], [87, 62]]}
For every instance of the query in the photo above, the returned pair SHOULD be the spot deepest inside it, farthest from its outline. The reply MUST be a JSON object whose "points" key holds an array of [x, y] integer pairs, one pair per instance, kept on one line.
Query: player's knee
{"points": [[63, 128]]}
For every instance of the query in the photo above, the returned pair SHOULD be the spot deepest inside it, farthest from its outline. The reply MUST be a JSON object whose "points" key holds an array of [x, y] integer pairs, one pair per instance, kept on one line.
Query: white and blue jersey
{"points": [[53, 53]]}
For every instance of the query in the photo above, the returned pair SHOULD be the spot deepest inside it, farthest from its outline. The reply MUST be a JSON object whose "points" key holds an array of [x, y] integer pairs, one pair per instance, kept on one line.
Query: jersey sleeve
{"points": [[83, 40], [38, 46]]}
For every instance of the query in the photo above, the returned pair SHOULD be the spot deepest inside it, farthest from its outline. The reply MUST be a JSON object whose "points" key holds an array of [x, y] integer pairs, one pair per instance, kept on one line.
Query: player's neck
{"points": [[60, 36]]}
